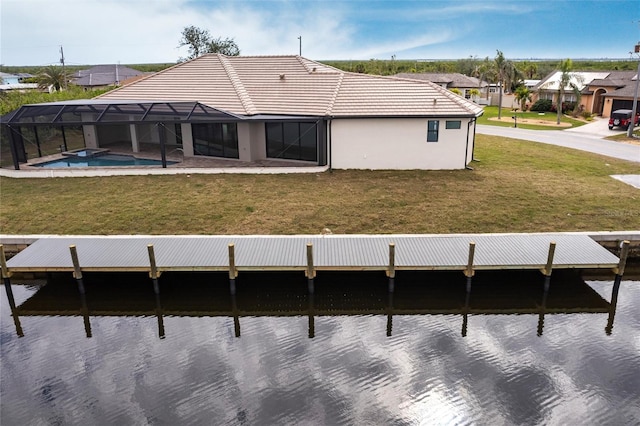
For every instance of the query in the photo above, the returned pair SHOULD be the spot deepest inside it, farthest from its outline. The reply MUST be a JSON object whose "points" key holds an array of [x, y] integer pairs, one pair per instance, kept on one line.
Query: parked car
{"points": [[622, 118]]}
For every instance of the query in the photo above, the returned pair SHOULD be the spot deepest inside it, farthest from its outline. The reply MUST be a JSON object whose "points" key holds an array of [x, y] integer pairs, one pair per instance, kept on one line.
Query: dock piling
{"points": [[391, 270], [159, 316], [548, 269], [469, 272], [233, 272], [312, 312], [236, 315], [619, 271], [310, 272], [85, 315], [6, 275], [153, 272], [77, 271]]}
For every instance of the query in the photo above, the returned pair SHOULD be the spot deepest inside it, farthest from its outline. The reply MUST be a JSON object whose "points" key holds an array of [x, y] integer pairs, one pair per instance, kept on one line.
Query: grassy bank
{"points": [[518, 186], [538, 121]]}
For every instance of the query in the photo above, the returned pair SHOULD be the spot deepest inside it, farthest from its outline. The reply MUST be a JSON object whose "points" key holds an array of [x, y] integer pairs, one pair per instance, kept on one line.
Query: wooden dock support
{"points": [[233, 272], [391, 270], [312, 313], [469, 272], [390, 314], [619, 271], [77, 271], [236, 315], [85, 315], [310, 272], [548, 269], [6, 275], [159, 316], [6, 278], [153, 272]]}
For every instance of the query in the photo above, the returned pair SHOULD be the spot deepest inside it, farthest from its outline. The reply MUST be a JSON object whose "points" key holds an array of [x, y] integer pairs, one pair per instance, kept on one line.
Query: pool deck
{"points": [[182, 166]]}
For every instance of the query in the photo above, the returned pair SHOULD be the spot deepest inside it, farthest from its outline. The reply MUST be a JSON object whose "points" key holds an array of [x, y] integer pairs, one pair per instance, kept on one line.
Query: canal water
{"points": [[351, 353]]}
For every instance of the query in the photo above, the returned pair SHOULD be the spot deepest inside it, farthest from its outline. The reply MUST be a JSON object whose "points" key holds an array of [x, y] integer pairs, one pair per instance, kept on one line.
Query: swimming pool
{"points": [[104, 160]]}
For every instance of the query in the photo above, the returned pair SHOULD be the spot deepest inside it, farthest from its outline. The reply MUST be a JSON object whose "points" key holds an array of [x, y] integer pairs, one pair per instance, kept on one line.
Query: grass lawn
{"points": [[516, 187], [550, 117]]}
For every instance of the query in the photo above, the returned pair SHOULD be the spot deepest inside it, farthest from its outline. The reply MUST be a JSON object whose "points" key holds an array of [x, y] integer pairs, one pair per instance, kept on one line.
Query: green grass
{"points": [[623, 137], [516, 187], [551, 117]]}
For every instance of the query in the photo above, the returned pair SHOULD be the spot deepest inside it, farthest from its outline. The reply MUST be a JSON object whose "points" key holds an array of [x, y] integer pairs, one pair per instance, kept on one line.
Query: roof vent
{"points": [[314, 69], [435, 101], [281, 76]]}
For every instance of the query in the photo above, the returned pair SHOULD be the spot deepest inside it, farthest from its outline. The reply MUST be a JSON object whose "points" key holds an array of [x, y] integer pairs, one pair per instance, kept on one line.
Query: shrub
{"points": [[566, 107], [542, 105]]}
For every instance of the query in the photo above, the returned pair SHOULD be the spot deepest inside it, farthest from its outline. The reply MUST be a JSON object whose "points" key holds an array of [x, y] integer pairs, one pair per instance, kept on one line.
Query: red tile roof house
{"points": [[287, 108]]}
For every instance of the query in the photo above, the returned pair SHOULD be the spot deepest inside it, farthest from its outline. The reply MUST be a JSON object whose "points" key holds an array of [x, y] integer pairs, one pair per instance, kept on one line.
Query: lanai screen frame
{"points": [[102, 111]]}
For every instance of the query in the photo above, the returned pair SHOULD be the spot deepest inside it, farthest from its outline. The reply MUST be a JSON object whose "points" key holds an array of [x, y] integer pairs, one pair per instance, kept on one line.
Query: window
{"points": [[216, 140], [452, 124], [432, 130], [292, 140]]}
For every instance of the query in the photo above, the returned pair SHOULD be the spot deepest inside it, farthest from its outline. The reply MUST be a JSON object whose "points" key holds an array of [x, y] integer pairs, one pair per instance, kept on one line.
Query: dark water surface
{"points": [[350, 354]]}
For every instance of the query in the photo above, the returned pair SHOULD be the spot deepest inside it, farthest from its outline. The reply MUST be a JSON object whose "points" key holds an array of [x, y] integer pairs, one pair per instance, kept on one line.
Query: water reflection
{"points": [[336, 294]]}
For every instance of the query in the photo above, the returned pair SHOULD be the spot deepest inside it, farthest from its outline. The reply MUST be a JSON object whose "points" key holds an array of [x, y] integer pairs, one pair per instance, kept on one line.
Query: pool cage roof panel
{"points": [[97, 111]]}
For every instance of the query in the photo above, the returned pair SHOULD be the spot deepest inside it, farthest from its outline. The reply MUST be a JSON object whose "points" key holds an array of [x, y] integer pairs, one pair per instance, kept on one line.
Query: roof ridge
{"points": [[236, 82], [332, 101]]}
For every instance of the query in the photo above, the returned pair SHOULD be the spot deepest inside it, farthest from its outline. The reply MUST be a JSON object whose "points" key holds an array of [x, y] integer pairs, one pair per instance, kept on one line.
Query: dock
{"points": [[461, 255], [311, 253]]}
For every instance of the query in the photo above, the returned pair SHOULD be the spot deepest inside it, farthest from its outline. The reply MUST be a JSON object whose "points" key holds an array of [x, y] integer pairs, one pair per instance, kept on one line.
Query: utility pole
{"points": [[300, 38], [64, 75], [634, 110]]}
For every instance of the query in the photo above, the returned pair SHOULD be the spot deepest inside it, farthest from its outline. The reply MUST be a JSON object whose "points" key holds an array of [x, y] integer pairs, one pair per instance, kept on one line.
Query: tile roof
{"points": [[454, 79], [580, 78], [293, 85], [104, 75]]}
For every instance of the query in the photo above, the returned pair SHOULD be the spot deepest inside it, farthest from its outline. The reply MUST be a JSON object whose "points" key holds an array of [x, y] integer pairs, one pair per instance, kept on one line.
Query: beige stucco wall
{"points": [[606, 110], [90, 136], [187, 139], [244, 142], [396, 144], [258, 141]]}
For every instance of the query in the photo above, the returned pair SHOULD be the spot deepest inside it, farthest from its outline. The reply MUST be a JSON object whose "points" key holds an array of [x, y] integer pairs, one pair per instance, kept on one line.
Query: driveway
{"points": [[585, 138]]}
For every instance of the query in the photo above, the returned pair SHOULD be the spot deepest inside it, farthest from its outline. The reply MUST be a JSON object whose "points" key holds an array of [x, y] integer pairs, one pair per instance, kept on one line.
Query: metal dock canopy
{"points": [[311, 253]]}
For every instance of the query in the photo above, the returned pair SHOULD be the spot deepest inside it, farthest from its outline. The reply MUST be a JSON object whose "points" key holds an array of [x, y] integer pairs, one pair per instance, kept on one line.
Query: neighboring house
{"points": [[530, 84], [601, 91], [104, 76], [254, 108], [603, 96], [548, 87], [16, 82], [463, 83]]}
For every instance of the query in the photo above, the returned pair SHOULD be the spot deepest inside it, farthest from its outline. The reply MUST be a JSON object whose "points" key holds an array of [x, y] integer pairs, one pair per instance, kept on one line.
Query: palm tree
{"points": [[52, 76], [567, 80], [530, 69], [503, 69], [485, 72], [523, 94]]}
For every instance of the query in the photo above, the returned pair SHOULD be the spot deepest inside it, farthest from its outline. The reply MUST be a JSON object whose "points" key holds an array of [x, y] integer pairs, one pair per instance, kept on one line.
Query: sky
{"points": [[148, 31]]}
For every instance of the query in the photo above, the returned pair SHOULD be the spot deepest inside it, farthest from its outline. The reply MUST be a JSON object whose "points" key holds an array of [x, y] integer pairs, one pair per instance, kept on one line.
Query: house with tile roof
{"points": [[285, 108], [463, 83], [601, 92], [604, 95], [290, 107], [104, 76]]}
